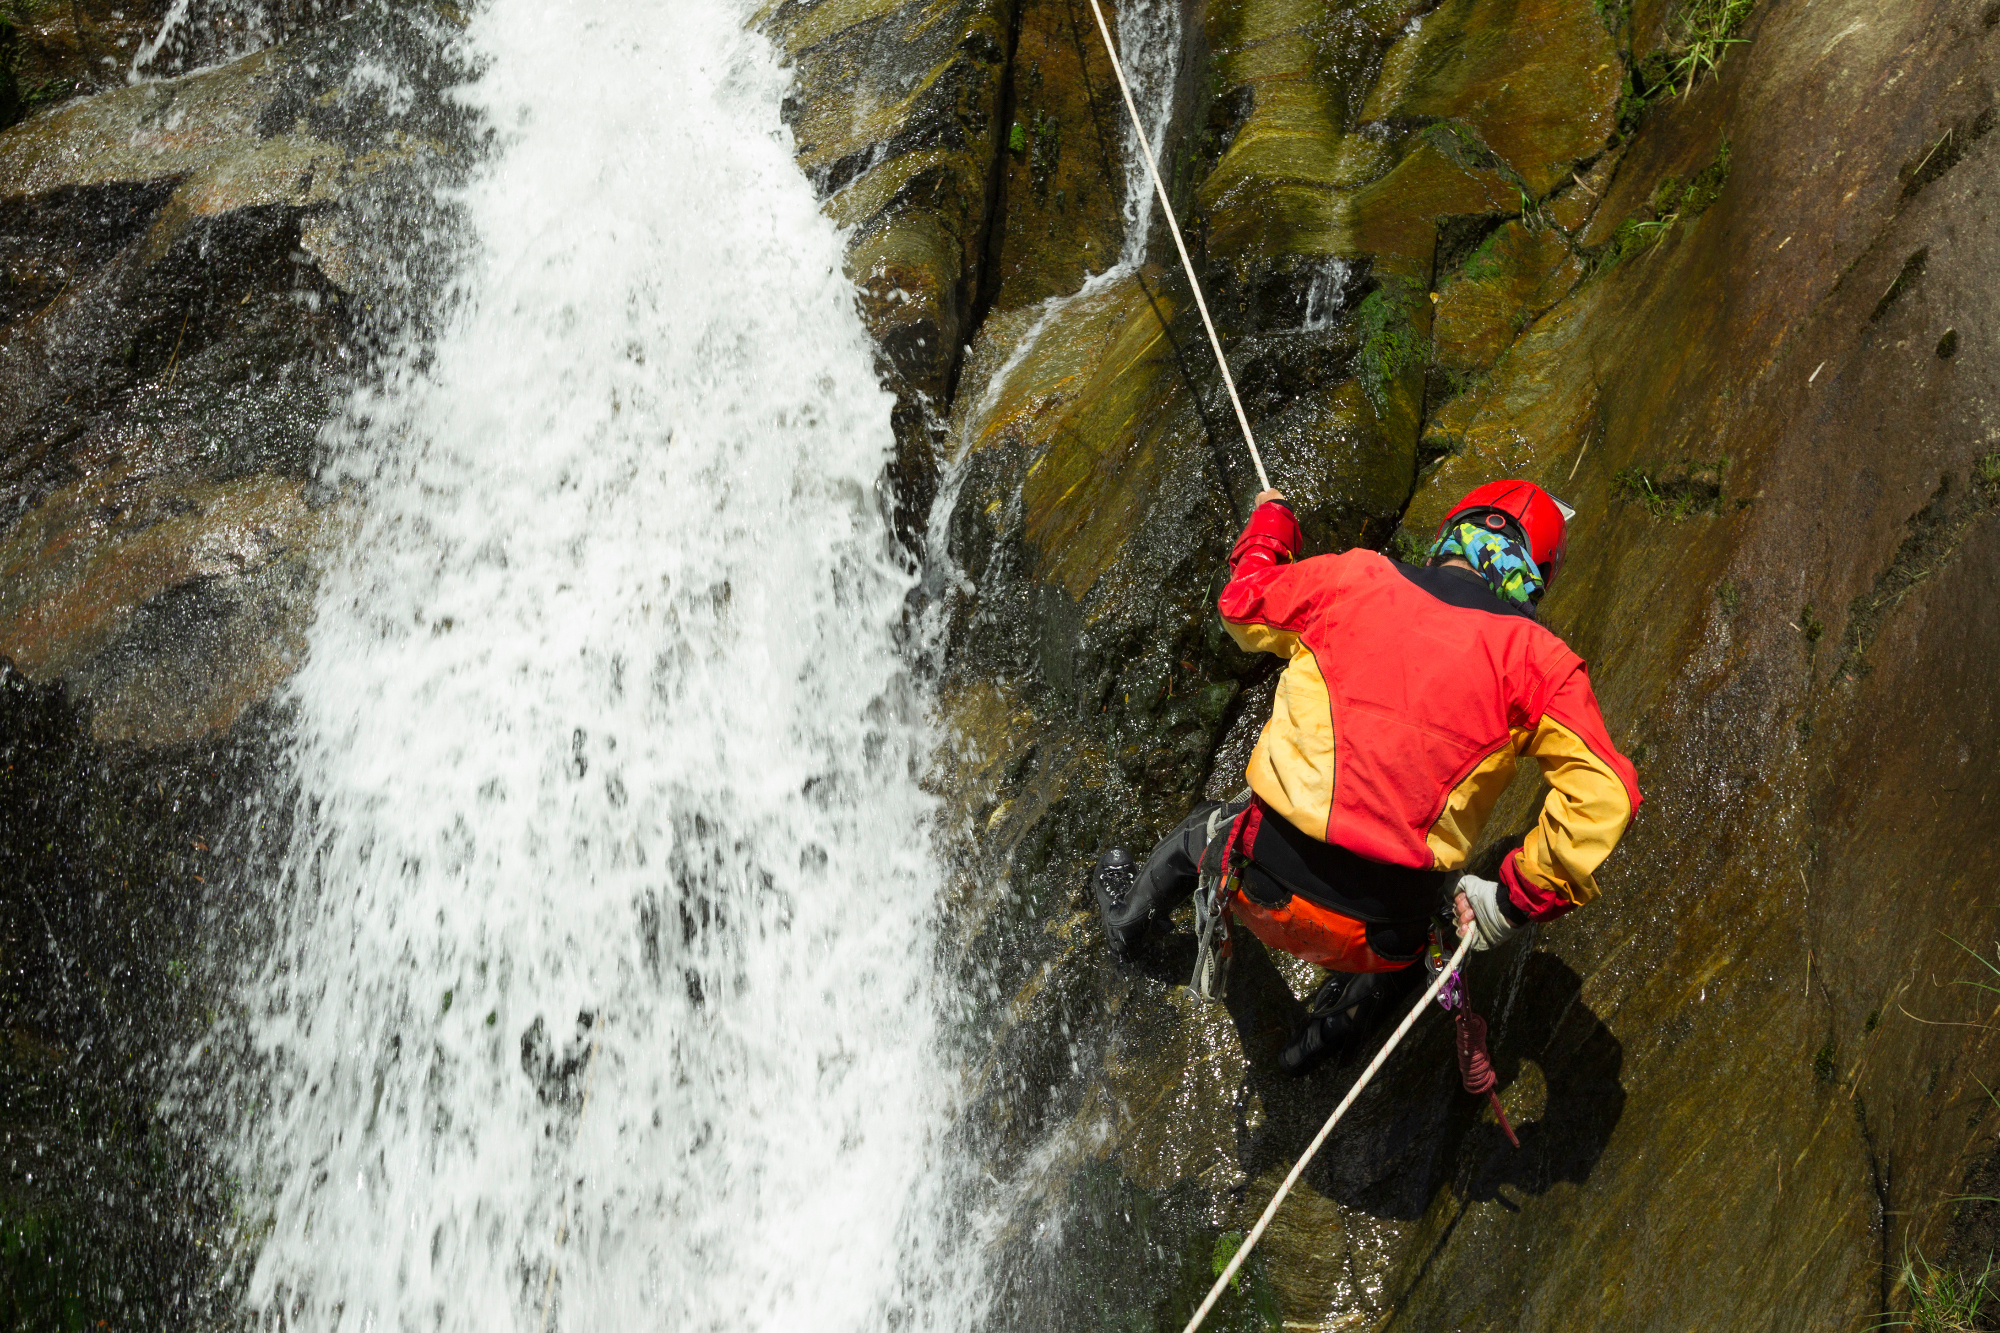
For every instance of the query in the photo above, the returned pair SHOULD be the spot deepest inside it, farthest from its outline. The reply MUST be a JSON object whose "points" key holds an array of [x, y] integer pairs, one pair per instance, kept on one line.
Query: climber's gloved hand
{"points": [[1479, 911], [1266, 497]]}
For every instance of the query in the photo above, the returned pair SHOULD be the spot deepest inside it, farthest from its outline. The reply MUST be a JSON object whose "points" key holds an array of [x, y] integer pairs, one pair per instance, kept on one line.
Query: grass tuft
{"points": [[1942, 1300], [1676, 491], [1707, 29], [1671, 203], [1983, 961], [1701, 34]]}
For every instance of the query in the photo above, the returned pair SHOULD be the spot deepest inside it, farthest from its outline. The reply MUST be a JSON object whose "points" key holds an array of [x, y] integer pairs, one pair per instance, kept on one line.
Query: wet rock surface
{"points": [[55, 50], [197, 271], [115, 858], [1730, 318], [1739, 319], [898, 121]]}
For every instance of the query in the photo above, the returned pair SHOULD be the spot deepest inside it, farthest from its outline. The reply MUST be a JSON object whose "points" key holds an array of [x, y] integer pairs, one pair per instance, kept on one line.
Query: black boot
{"points": [[1346, 1010], [1125, 916]]}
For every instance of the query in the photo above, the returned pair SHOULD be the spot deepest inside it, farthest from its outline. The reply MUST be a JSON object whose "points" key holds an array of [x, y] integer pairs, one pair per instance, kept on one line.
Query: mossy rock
{"points": [[1062, 181], [1536, 81], [1516, 275]]}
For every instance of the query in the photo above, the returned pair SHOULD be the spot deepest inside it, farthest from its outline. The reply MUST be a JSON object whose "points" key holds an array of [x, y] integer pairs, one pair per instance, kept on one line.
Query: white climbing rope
{"points": [[1270, 1209], [1173, 225]]}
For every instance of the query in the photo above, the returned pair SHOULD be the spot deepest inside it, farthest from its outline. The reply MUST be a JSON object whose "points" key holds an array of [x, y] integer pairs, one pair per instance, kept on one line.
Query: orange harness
{"points": [[1300, 927], [1311, 932]]}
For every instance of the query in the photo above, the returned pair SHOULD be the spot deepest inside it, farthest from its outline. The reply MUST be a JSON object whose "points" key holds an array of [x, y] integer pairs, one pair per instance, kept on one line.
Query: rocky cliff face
{"points": [[196, 270], [1709, 271]]}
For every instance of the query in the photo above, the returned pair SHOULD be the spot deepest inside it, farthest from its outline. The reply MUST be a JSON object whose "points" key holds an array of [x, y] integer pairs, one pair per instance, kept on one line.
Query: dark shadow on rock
{"points": [[1259, 1001], [1388, 1154], [1261, 1004], [1579, 1062], [116, 866], [1541, 1022], [1415, 1128], [1972, 1237], [1166, 956]]}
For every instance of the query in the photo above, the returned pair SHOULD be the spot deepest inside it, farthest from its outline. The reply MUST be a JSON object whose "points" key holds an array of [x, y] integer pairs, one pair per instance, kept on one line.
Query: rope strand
{"points": [[1270, 1209], [1475, 1066], [1173, 225]]}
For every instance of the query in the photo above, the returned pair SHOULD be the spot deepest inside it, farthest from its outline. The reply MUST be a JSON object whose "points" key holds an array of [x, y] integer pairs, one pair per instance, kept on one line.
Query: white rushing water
{"points": [[1149, 47], [603, 715]]}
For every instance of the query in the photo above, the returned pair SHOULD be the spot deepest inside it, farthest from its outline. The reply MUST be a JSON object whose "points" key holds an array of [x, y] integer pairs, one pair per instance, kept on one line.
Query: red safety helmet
{"points": [[1526, 512]]}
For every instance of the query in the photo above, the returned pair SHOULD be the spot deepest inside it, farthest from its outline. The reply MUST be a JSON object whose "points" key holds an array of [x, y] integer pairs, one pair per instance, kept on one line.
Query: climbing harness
{"points": [[1445, 974], [1212, 950], [1173, 225]]}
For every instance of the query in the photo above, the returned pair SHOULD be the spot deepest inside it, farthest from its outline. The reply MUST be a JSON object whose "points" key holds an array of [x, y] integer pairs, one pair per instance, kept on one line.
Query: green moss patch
{"points": [[1518, 272], [1676, 491], [1390, 344], [1672, 202], [1407, 547]]}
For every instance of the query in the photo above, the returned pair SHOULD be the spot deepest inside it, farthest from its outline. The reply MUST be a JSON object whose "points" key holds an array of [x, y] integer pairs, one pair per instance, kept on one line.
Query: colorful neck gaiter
{"points": [[1504, 563]]}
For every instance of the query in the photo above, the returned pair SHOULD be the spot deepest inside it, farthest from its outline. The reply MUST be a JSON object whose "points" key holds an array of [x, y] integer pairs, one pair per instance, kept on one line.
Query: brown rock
{"points": [[1061, 193], [169, 351], [1535, 80], [1795, 668], [1576, 203], [1509, 281]]}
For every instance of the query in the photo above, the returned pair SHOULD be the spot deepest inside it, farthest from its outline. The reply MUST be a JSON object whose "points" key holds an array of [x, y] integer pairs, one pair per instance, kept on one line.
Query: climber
{"points": [[1408, 693]]}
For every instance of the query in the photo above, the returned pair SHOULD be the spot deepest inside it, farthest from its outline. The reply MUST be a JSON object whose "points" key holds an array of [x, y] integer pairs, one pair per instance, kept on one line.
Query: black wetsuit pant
{"points": [[1173, 871]]}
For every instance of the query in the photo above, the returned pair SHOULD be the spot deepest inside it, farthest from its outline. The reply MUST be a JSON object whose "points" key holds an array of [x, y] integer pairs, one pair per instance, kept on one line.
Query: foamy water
{"points": [[604, 991]]}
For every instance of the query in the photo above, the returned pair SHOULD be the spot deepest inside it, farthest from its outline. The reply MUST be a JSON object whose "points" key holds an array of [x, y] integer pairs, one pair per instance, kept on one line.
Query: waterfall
{"points": [[1149, 45], [601, 988]]}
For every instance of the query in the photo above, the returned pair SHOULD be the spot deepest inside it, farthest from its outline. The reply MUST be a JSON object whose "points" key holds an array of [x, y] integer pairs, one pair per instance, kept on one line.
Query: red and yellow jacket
{"points": [[1400, 715]]}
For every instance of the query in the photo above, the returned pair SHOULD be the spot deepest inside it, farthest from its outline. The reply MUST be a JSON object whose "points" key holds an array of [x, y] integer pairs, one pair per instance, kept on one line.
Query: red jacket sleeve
{"points": [[1264, 604], [1271, 537]]}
